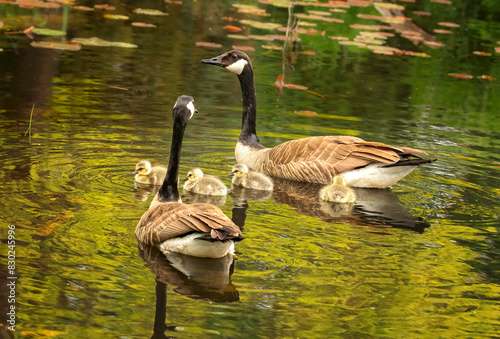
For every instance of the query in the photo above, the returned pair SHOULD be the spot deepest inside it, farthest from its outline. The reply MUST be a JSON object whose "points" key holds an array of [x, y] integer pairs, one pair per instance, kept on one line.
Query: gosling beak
{"points": [[217, 61], [185, 179], [231, 174], [135, 172]]}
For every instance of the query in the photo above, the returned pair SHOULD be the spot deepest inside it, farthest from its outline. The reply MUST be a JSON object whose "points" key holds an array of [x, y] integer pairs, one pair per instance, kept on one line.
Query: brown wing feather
{"points": [[319, 159], [172, 219]]}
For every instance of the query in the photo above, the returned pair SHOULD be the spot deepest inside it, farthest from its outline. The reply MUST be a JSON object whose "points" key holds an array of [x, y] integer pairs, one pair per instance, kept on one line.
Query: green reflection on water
{"points": [[303, 270]]}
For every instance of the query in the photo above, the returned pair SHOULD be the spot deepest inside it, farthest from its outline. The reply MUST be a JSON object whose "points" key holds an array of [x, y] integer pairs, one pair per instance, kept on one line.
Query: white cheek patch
{"points": [[190, 106], [237, 67]]}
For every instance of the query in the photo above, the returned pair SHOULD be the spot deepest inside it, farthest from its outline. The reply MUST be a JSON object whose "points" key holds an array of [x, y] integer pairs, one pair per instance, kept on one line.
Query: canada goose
{"points": [[337, 192], [255, 180], [196, 182], [200, 230], [314, 159], [145, 174]]}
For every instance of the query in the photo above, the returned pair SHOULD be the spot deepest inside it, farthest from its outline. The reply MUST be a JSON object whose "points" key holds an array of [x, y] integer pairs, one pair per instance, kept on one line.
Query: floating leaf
{"points": [[142, 24], [149, 11], [339, 38], [308, 53], [208, 44], [487, 77], [238, 36], [433, 43], [105, 7], [115, 16], [123, 45], [102, 43], [261, 25], [443, 31], [337, 10], [352, 43], [57, 45], [448, 24], [272, 47], [369, 16], [244, 48], [370, 27], [421, 13], [306, 113], [177, 2], [279, 83], [232, 29], [83, 8], [482, 53], [417, 54], [446, 2], [412, 1], [320, 13], [292, 86], [261, 37], [389, 5], [359, 3], [497, 49], [254, 11], [460, 75], [47, 31]]}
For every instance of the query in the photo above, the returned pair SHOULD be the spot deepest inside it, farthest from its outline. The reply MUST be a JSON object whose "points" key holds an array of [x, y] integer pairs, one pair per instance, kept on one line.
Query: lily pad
{"points": [[142, 24], [57, 45], [149, 11], [261, 25], [47, 31], [238, 37]]}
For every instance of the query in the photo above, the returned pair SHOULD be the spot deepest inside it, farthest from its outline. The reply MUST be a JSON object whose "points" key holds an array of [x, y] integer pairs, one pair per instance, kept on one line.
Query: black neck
{"points": [[248, 135], [169, 190]]}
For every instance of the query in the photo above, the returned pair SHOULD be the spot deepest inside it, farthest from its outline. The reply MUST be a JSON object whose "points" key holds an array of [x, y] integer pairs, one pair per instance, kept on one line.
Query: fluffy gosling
{"points": [[145, 174], [209, 185], [254, 180]]}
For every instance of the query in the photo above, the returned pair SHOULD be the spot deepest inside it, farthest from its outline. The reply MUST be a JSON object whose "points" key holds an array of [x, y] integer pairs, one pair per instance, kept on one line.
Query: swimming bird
{"points": [[314, 159], [200, 230], [145, 174], [337, 192], [198, 183], [255, 180]]}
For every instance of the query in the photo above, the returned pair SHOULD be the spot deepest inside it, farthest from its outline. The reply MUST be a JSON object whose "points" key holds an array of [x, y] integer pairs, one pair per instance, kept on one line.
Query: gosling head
{"points": [[234, 61], [193, 175], [184, 108], [339, 180], [239, 170], [142, 168]]}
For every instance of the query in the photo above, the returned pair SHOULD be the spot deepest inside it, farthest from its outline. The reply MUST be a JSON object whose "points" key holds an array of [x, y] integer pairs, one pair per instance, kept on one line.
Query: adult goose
{"points": [[314, 159], [200, 230]]}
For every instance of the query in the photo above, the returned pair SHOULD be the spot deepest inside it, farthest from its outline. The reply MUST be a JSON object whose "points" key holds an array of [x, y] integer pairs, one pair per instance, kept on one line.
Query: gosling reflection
{"points": [[373, 207], [143, 191]]}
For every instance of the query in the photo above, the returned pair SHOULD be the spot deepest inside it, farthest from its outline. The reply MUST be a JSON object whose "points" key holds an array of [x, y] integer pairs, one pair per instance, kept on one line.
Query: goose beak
{"points": [[185, 179], [195, 112], [135, 172], [217, 61], [231, 174]]}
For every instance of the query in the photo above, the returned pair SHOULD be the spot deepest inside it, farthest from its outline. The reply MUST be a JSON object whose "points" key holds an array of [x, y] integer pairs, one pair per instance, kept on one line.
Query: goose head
{"points": [[194, 174], [234, 61], [239, 170], [184, 108], [142, 168]]}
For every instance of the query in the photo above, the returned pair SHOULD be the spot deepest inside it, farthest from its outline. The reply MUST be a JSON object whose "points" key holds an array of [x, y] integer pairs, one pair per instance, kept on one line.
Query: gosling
{"points": [[337, 192], [254, 180], [145, 174], [209, 185]]}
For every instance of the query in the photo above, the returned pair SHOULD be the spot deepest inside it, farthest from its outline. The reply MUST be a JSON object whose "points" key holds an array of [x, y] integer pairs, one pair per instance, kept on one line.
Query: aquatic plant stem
{"points": [[29, 126]]}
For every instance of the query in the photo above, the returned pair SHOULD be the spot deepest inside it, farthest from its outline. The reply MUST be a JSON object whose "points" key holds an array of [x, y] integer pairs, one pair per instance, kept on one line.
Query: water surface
{"points": [[418, 260]]}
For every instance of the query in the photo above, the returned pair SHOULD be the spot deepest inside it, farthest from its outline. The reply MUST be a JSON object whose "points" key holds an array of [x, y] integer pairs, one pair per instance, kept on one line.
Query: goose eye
{"points": [[234, 56]]}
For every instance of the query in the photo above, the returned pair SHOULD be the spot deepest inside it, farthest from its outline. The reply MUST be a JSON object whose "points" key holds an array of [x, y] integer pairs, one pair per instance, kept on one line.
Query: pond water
{"points": [[418, 260]]}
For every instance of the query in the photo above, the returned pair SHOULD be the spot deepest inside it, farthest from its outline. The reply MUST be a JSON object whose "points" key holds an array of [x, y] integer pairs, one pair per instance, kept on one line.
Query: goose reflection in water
{"points": [[373, 207], [193, 277]]}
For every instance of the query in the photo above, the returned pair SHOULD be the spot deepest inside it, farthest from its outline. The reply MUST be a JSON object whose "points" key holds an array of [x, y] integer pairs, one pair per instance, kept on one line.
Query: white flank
{"points": [[376, 176], [237, 67], [250, 156], [189, 245]]}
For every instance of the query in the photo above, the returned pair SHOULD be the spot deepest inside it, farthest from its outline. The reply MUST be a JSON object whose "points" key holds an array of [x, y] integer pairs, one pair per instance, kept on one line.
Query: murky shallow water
{"points": [[420, 259]]}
